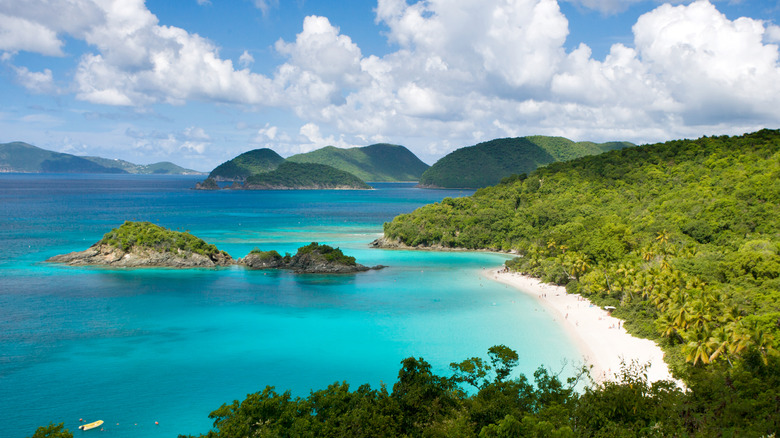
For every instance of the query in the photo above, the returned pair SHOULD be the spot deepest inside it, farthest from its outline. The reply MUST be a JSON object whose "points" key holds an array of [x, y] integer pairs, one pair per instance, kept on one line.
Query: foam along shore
{"points": [[602, 340]]}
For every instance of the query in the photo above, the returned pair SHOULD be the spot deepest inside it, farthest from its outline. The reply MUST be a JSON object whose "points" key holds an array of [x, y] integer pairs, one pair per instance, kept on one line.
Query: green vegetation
{"points": [[378, 162], [246, 164], [487, 163], [161, 168], [22, 157], [148, 235], [334, 255], [291, 175], [270, 256], [481, 400], [683, 237], [52, 431]]}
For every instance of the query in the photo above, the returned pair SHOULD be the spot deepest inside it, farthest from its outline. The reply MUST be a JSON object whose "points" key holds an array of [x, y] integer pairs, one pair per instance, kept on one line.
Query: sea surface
{"points": [[138, 346]]}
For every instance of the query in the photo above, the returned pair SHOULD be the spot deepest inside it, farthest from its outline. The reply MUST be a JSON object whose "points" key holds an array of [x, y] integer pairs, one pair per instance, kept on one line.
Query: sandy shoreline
{"points": [[601, 338]]}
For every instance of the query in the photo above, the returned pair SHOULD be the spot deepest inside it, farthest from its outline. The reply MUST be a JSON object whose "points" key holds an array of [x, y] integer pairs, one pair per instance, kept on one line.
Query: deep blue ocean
{"points": [[137, 346]]}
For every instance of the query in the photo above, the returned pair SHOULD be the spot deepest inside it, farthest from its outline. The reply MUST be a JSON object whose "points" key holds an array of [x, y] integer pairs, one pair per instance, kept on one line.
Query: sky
{"points": [[197, 82]]}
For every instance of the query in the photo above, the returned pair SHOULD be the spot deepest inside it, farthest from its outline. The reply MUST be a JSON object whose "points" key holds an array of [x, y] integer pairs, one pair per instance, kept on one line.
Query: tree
{"points": [[503, 359], [52, 431], [422, 396]]}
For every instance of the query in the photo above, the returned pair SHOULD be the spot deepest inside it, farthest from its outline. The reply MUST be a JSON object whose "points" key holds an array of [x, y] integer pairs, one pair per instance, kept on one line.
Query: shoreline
{"points": [[601, 338]]}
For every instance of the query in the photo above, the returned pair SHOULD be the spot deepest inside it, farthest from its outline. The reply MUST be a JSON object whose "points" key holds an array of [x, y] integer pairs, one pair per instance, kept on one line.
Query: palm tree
{"points": [[723, 340], [699, 348]]}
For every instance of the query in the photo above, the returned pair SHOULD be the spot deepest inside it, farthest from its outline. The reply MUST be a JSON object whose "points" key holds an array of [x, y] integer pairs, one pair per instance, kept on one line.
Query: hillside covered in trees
{"points": [[246, 164], [375, 163], [683, 237], [25, 158], [304, 176], [485, 164]]}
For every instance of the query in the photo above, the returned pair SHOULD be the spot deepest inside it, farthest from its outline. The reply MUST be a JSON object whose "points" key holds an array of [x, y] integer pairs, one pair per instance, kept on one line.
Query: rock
{"points": [[207, 184], [263, 260], [106, 255], [310, 259]]}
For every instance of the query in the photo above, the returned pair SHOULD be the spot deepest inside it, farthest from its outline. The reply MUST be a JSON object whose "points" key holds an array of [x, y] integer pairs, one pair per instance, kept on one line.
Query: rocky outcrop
{"points": [[263, 260], [310, 259], [207, 184], [139, 257], [146, 245]]}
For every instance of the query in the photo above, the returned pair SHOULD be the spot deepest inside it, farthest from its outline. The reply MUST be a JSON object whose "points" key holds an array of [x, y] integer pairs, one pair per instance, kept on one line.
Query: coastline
{"points": [[601, 338]]}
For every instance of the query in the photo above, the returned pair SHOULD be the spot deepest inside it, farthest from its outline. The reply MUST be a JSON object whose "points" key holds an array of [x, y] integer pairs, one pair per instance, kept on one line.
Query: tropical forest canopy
{"points": [[683, 237], [485, 164], [148, 235]]}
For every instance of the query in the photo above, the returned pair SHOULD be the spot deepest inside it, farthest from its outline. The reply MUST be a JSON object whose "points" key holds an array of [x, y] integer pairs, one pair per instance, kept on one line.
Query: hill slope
{"points": [[23, 157], [26, 158], [248, 163], [161, 168], [378, 162], [304, 176], [683, 237], [487, 163]]}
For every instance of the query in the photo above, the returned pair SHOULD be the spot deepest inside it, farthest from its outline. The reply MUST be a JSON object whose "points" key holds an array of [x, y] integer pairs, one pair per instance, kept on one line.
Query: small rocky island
{"points": [[310, 259], [146, 245]]}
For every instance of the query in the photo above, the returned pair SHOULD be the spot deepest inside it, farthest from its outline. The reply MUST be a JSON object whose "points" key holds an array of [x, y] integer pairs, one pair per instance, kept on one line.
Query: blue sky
{"points": [[198, 82]]}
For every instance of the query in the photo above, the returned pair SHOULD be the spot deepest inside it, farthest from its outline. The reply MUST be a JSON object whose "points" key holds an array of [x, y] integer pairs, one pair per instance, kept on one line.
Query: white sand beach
{"points": [[603, 341]]}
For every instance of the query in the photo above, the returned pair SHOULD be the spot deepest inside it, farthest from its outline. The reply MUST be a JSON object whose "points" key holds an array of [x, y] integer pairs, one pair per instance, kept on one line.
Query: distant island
{"points": [[146, 245], [485, 164], [21, 157], [247, 164], [304, 176], [294, 176], [375, 163], [326, 168]]}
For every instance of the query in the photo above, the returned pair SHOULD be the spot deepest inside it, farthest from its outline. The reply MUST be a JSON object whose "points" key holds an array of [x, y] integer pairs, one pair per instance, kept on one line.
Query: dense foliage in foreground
{"points": [[148, 235], [485, 164], [683, 237], [480, 399]]}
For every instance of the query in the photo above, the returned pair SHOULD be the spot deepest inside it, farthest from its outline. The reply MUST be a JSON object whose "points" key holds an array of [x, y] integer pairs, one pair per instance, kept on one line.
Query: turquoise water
{"points": [[135, 347]]}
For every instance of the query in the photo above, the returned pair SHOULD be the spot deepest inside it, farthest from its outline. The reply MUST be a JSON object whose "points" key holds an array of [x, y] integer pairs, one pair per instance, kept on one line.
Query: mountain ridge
{"points": [[21, 157], [486, 163]]}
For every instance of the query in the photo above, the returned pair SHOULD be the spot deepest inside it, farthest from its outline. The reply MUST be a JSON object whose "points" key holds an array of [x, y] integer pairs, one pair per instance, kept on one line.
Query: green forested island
{"points": [[144, 244], [312, 258], [25, 158], [326, 168], [485, 164], [246, 164], [307, 176], [374, 163], [161, 168]]}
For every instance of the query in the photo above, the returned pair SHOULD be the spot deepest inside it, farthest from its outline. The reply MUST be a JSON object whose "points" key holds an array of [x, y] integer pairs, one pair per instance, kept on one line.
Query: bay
{"points": [[137, 346]]}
